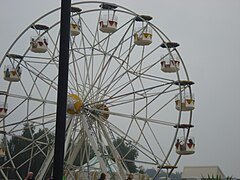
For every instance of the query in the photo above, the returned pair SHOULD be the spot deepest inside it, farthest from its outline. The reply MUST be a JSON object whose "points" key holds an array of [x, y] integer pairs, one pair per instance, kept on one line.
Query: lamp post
{"points": [[62, 90]]}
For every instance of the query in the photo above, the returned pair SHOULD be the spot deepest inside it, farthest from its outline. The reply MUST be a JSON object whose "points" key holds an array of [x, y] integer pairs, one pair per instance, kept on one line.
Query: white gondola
{"points": [[108, 23], [170, 64], [187, 103], [11, 73], [74, 29], [108, 20], [2, 144], [3, 109], [143, 37], [74, 26], [143, 32], [185, 147], [38, 44]]}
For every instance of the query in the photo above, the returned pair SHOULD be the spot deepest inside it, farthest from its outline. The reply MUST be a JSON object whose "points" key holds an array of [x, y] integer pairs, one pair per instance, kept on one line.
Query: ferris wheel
{"points": [[127, 85]]}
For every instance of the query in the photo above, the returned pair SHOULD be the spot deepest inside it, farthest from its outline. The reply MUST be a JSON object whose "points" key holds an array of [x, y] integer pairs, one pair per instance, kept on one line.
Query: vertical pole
{"points": [[62, 90]]}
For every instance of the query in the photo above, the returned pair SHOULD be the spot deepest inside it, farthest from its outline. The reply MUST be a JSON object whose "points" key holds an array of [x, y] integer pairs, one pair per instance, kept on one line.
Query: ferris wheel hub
{"points": [[103, 111], [74, 104]]}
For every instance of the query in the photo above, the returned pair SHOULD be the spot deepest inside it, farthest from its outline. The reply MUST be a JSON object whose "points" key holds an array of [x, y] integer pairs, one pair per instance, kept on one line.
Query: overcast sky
{"points": [[209, 34]]}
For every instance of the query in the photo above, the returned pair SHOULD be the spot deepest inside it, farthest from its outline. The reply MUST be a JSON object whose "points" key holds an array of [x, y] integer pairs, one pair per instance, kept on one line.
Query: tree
{"points": [[128, 153], [163, 174], [17, 144], [21, 149], [83, 158], [215, 178]]}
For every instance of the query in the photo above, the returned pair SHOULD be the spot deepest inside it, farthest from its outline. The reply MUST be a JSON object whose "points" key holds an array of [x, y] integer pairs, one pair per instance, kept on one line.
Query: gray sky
{"points": [[209, 35]]}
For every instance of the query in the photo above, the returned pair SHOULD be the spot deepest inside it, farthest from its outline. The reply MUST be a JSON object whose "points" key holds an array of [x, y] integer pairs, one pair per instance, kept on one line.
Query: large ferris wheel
{"points": [[127, 85]]}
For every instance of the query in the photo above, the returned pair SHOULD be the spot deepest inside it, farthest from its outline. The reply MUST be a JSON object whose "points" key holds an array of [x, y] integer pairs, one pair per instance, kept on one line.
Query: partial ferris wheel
{"points": [[127, 84]]}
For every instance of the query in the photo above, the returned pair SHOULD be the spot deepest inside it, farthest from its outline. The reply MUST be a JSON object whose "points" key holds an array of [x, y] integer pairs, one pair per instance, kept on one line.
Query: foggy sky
{"points": [[209, 36]]}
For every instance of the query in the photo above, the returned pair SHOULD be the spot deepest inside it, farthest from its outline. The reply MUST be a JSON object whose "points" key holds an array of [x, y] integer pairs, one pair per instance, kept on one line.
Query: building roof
{"points": [[201, 172]]}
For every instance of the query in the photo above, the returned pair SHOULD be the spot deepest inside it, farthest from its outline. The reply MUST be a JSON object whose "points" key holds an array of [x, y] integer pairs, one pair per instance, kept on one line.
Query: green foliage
{"points": [[127, 152], [163, 174], [212, 177], [82, 157], [21, 148], [218, 177]]}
